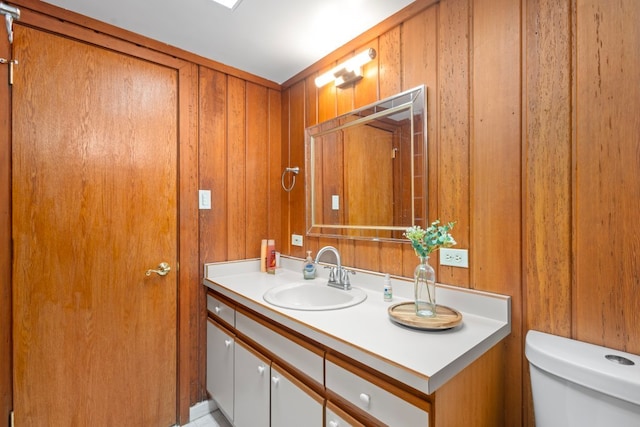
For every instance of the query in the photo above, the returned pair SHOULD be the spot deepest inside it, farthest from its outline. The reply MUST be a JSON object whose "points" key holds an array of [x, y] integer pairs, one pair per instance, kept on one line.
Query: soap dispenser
{"points": [[309, 267], [388, 290]]}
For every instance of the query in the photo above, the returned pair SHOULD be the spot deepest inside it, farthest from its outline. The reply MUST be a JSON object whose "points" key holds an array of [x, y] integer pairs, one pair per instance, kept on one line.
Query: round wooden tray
{"points": [[404, 313]]}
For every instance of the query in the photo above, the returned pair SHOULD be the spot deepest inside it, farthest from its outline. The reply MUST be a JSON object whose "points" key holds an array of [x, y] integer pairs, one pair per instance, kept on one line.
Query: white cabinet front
{"points": [[220, 367], [292, 403], [252, 388]]}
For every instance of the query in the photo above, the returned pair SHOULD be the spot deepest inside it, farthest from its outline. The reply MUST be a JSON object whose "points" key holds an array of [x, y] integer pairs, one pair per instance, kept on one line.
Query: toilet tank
{"points": [[579, 384]]}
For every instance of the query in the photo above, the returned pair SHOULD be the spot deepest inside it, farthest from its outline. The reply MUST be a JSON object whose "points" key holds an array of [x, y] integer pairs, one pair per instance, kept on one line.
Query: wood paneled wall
{"points": [[533, 149]]}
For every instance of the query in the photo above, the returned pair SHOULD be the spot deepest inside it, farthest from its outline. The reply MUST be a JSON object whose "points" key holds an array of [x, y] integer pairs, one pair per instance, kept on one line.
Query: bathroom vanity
{"points": [[269, 365]]}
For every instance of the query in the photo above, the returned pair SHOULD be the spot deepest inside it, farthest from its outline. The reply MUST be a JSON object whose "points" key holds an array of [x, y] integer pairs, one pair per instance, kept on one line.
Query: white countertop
{"points": [[424, 360]]}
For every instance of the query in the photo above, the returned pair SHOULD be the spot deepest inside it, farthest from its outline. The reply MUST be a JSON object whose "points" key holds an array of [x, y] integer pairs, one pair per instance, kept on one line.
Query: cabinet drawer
{"points": [[221, 310], [373, 399], [301, 357]]}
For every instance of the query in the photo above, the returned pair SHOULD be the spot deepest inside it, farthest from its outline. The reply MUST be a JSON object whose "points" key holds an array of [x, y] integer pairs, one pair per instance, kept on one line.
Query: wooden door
{"points": [[369, 198], [94, 206]]}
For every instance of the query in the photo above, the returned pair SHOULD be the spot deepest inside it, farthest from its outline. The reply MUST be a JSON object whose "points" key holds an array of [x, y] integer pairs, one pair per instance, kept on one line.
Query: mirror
{"points": [[366, 171]]}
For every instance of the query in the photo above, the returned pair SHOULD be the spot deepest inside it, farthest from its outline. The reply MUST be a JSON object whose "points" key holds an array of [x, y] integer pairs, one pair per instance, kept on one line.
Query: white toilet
{"points": [[579, 384]]}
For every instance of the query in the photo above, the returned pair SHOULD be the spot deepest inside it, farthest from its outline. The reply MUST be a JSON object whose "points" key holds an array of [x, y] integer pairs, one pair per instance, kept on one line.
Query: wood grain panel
{"points": [[389, 63], [607, 196], [256, 164], [236, 169], [296, 158], [191, 295], [327, 102], [285, 201], [547, 174], [275, 196], [366, 91], [419, 67], [453, 126], [547, 168], [213, 164], [6, 401], [480, 408], [496, 191]]}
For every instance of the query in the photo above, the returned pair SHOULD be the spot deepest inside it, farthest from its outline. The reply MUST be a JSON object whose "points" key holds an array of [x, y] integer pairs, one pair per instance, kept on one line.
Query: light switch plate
{"points": [[204, 199], [335, 202]]}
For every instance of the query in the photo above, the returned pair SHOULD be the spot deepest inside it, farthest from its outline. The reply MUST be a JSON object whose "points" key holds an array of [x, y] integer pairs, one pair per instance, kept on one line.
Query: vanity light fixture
{"points": [[231, 4], [348, 72]]}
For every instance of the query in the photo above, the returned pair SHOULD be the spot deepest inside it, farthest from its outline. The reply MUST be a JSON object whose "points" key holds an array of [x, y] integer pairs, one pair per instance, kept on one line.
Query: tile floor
{"points": [[206, 414], [215, 419]]}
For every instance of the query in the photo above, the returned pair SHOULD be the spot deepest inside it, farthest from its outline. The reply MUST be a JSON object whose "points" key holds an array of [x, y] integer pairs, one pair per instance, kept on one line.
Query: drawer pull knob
{"points": [[217, 310], [261, 369], [275, 380], [365, 398], [228, 343], [334, 424]]}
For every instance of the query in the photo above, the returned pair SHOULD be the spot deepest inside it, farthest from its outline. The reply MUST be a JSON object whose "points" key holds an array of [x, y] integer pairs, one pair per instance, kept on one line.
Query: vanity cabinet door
{"points": [[220, 366], [252, 372], [336, 417], [293, 404]]}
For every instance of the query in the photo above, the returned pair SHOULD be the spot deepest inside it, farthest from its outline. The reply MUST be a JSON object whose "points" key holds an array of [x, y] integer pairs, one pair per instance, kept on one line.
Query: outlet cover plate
{"points": [[454, 257], [296, 240]]}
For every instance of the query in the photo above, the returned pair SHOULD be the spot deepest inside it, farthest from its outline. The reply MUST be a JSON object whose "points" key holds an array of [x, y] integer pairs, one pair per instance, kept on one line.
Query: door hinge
{"points": [[10, 63], [11, 420]]}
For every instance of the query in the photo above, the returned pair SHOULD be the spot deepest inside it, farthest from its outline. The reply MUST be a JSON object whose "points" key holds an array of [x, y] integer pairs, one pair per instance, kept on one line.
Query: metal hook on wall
{"points": [[295, 171]]}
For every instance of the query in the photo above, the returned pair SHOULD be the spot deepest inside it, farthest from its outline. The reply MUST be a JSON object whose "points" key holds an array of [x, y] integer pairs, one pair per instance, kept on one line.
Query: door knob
{"points": [[163, 270]]}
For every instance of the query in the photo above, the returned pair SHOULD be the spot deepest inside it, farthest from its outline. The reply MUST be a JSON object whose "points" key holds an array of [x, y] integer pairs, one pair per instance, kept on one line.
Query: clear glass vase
{"points": [[424, 286]]}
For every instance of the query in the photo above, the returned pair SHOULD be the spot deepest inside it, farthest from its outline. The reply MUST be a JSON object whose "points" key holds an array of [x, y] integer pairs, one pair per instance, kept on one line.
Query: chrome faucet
{"points": [[338, 276]]}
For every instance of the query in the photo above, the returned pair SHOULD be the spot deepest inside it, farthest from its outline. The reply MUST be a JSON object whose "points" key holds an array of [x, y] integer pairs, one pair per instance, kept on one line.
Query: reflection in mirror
{"points": [[366, 170]]}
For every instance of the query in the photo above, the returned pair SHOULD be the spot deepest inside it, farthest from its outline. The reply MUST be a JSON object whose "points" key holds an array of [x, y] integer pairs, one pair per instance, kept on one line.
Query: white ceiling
{"points": [[274, 39]]}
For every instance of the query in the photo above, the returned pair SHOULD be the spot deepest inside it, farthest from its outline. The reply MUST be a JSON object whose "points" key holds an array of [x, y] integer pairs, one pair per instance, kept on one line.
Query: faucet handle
{"points": [[345, 277], [332, 273]]}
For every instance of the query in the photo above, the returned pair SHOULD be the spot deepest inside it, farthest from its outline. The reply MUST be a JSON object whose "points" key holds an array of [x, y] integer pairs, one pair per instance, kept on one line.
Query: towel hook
{"points": [[295, 171]]}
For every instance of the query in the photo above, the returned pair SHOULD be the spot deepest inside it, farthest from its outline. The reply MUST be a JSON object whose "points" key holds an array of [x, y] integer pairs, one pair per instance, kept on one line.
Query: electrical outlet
{"points": [[454, 257], [296, 240]]}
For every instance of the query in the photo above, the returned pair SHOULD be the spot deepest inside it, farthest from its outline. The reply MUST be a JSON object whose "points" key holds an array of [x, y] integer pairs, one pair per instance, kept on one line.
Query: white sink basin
{"points": [[313, 296]]}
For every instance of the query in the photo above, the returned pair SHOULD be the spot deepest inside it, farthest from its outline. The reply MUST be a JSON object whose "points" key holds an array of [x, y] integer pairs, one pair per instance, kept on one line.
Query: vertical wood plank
{"points": [[256, 164], [454, 113], [389, 63], [366, 90], [420, 66], [607, 198], [236, 168], [496, 191], [296, 158], [547, 167], [274, 207], [213, 164], [285, 201], [547, 198], [6, 401], [191, 297]]}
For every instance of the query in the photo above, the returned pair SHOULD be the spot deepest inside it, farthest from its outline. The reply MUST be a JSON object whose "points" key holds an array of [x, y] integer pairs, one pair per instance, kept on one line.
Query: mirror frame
{"points": [[412, 101]]}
